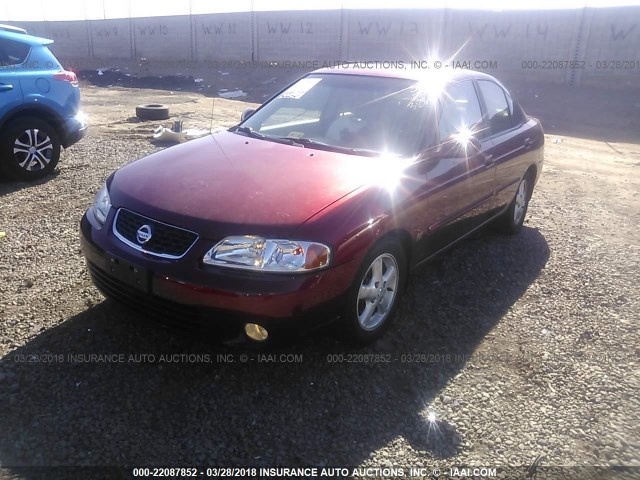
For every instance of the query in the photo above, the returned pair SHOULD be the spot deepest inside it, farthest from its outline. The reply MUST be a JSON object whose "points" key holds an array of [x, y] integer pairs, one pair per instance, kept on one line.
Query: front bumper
{"points": [[283, 304]]}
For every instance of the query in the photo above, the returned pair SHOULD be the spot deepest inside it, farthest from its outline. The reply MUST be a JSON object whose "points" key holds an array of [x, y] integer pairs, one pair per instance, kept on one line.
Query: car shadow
{"points": [[314, 403], [9, 185]]}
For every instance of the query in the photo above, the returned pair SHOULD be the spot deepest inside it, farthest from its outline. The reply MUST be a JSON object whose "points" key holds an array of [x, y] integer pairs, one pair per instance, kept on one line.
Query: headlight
{"points": [[102, 204], [256, 253]]}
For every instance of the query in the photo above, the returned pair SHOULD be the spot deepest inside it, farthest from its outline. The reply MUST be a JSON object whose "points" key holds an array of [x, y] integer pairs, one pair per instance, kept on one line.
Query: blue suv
{"points": [[39, 106]]}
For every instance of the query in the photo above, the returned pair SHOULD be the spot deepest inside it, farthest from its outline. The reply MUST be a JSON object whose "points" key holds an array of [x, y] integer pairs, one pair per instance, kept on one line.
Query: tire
{"points": [[153, 111], [29, 149], [366, 316], [510, 222]]}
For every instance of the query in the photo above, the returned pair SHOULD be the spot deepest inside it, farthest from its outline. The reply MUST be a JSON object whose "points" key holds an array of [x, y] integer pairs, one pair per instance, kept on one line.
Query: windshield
{"points": [[351, 112]]}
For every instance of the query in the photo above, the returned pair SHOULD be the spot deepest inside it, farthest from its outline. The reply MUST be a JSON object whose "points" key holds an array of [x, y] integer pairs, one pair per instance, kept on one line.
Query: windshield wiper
{"points": [[249, 131], [252, 133], [307, 142]]}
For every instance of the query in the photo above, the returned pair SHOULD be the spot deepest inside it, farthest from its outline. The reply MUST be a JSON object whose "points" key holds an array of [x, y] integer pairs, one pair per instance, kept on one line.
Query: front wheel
{"points": [[29, 149], [373, 299]]}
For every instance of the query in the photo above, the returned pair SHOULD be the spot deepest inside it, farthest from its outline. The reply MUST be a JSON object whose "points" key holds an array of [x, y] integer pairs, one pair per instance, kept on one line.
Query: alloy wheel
{"points": [[33, 150], [377, 292], [521, 202]]}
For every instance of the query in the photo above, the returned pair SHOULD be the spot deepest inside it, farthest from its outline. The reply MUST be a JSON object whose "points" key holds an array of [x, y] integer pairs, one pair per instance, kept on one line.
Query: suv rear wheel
{"points": [[29, 149]]}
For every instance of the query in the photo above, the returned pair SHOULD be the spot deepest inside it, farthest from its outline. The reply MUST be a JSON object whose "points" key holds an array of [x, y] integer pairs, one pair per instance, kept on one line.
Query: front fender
{"points": [[353, 224]]}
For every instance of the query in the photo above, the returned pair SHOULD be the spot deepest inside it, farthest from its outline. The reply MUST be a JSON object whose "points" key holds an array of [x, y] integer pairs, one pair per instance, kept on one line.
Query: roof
{"points": [[379, 69], [16, 34], [11, 28]]}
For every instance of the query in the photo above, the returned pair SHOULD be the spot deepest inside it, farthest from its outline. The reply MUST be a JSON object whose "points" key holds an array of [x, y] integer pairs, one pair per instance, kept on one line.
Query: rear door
{"points": [[12, 57], [461, 186], [512, 136]]}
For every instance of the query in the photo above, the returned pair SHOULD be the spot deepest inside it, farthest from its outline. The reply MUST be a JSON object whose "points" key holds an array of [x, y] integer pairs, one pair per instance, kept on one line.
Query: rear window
{"points": [[498, 109], [12, 53]]}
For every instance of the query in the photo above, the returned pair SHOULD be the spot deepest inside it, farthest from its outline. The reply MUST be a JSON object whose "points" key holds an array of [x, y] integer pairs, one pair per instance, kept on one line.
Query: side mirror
{"points": [[247, 113]]}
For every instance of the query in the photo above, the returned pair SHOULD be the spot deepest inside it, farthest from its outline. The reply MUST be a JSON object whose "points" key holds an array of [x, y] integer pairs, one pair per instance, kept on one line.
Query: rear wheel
{"points": [[512, 219], [374, 295], [29, 149]]}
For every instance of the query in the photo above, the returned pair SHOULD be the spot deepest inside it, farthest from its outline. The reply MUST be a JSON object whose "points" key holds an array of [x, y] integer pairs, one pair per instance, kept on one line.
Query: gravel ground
{"points": [[506, 348]]}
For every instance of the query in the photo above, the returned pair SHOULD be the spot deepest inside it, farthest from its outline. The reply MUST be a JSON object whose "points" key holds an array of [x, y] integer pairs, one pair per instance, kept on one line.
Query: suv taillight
{"points": [[66, 76]]}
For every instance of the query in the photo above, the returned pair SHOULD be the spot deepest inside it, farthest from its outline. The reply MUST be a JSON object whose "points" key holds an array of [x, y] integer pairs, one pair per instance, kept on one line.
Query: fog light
{"points": [[256, 332]]}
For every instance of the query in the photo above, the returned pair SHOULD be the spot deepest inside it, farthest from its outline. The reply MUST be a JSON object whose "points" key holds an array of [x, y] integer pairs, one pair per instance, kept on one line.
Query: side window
{"points": [[459, 110], [12, 53], [517, 116], [498, 110], [509, 104]]}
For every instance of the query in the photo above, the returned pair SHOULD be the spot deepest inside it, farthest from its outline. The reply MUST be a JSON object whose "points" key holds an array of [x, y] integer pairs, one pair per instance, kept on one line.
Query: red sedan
{"points": [[317, 205]]}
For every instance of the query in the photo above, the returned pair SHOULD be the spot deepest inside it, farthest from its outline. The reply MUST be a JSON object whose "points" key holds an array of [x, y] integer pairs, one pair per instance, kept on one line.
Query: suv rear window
{"points": [[12, 53]]}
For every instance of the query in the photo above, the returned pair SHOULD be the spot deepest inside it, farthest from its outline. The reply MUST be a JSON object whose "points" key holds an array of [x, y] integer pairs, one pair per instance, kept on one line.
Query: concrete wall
{"points": [[223, 36], [393, 35], [72, 38], [512, 38], [610, 35], [300, 35], [560, 46], [163, 38], [111, 39]]}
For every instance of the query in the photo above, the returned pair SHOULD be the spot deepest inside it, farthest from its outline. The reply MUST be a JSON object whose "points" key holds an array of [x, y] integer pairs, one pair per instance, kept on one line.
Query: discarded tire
{"points": [[153, 111]]}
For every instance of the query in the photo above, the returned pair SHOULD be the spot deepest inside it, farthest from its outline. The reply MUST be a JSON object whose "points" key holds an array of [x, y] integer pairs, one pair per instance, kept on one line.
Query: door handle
{"points": [[5, 87], [488, 161], [528, 142]]}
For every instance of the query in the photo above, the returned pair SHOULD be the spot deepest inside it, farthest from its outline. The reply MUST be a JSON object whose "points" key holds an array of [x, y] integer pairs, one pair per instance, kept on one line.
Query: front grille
{"points": [[151, 306], [158, 309], [166, 240]]}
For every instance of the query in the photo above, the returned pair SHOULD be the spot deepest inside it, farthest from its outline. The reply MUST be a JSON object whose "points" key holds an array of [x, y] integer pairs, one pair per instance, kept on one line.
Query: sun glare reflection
{"points": [[386, 171], [464, 136], [431, 420], [434, 77], [431, 86]]}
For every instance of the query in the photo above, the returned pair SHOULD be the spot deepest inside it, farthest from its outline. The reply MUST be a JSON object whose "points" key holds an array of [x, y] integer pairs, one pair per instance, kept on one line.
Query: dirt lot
{"points": [[505, 348]]}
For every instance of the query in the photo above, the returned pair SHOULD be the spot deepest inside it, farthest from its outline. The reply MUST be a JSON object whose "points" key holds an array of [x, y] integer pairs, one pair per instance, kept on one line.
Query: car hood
{"points": [[226, 179]]}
